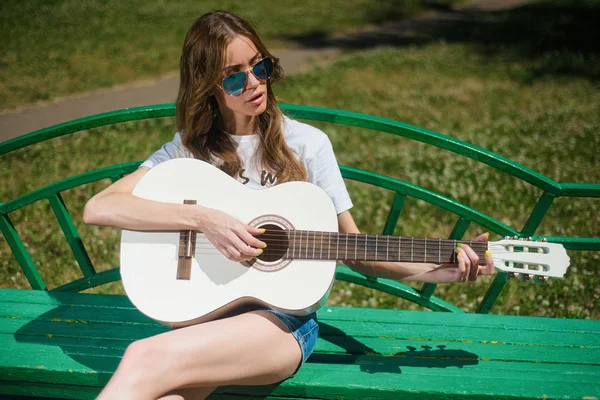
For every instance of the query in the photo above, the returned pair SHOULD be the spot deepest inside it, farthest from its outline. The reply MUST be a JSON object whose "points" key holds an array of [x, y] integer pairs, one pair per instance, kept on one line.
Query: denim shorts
{"points": [[305, 330]]}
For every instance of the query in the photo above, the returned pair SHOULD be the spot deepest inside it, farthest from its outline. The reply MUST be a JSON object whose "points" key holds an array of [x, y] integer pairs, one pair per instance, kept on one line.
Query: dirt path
{"points": [[164, 89]]}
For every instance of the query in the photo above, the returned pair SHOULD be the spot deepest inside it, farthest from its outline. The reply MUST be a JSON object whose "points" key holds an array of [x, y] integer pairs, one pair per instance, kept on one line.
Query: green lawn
{"points": [[530, 102], [53, 48]]}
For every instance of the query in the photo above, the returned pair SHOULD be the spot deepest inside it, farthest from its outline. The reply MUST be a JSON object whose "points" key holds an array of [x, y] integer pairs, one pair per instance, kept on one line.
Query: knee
{"points": [[138, 358]]}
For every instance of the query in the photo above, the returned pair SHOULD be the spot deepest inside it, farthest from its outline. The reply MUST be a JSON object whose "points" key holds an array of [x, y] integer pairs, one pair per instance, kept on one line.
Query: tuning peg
{"points": [[525, 277], [513, 275], [540, 279]]}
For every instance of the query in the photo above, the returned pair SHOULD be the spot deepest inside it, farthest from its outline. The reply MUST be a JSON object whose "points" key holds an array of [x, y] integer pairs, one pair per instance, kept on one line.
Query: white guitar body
{"points": [[181, 281], [218, 285]]}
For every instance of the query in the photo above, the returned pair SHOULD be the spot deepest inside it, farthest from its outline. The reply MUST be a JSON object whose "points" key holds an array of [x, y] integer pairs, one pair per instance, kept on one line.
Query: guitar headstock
{"points": [[527, 258]]}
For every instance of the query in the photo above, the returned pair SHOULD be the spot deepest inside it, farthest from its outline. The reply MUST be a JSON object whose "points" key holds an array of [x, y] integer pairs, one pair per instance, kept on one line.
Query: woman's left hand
{"points": [[468, 262]]}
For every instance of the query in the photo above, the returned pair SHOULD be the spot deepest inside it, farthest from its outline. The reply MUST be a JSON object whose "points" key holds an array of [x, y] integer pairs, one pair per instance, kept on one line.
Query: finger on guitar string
{"points": [[464, 264], [232, 253], [247, 235], [471, 262], [246, 251]]}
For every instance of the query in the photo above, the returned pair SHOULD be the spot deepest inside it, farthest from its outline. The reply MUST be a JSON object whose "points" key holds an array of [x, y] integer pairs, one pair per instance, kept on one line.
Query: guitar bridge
{"points": [[187, 249]]}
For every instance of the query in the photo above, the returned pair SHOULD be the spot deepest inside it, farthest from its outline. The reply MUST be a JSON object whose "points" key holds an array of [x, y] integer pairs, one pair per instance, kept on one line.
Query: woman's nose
{"points": [[252, 81]]}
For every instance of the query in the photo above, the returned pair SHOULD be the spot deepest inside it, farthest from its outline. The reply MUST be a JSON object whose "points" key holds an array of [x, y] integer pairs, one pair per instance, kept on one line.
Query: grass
{"points": [[539, 108], [54, 48]]}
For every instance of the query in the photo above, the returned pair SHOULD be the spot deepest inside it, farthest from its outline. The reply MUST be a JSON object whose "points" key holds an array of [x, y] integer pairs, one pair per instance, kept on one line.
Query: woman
{"points": [[227, 115]]}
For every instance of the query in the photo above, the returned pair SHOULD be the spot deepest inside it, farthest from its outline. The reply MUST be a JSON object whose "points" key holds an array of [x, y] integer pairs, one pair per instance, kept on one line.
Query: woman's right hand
{"points": [[234, 239]]}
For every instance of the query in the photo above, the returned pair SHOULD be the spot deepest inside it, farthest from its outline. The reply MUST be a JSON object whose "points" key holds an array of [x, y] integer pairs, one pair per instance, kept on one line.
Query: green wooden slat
{"points": [[71, 234], [83, 328], [394, 288], [46, 331], [21, 254], [394, 214], [47, 390], [98, 279], [43, 390], [465, 320], [98, 303], [52, 360], [67, 299], [331, 343], [63, 313]]}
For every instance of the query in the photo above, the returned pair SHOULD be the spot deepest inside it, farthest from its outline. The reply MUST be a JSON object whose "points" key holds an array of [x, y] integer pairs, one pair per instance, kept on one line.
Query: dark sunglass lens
{"points": [[263, 69], [234, 83]]}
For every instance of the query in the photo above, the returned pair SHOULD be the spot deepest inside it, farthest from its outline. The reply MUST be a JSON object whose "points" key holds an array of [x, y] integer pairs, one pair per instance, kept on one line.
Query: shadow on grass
{"points": [[557, 37]]}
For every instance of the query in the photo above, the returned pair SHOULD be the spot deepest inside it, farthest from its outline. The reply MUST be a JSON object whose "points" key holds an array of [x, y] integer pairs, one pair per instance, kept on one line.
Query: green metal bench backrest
{"points": [[424, 296]]}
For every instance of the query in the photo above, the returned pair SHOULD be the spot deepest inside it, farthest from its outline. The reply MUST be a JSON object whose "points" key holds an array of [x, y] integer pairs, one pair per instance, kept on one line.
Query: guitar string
{"points": [[369, 239], [416, 252], [280, 241], [371, 244]]}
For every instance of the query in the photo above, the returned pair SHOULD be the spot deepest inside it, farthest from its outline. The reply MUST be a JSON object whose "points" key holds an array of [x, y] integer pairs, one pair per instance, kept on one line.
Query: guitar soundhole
{"points": [[277, 243], [273, 257]]}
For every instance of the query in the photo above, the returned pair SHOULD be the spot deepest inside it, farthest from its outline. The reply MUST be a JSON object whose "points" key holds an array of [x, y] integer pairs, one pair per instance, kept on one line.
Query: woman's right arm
{"points": [[116, 206]]}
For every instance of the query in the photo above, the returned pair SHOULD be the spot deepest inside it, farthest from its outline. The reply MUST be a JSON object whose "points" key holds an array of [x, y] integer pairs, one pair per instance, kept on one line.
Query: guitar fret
{"points": [[387, 250], [439, 251], [376, 247], [454, 254], [329, 247], [321, 249], [412, 246], [306, 247], [355, 244], [337, 246], [425, 248], [314, 243], [345, 258], [294, 246], [399, 248]]}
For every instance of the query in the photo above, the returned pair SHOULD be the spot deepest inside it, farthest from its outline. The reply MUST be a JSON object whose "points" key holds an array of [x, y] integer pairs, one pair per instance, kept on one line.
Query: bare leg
{"points": [[254, 348]]}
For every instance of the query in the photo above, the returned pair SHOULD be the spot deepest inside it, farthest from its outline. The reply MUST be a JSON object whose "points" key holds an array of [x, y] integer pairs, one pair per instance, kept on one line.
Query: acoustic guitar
{"points": [[179, 278]]}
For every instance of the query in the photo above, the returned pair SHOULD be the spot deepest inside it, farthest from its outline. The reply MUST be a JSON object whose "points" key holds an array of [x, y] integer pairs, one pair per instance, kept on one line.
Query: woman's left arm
{"points": [[467, 268]]}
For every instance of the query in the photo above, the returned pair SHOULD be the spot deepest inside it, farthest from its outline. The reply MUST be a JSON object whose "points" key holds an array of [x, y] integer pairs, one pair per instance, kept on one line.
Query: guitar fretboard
{"points": [[315, 245]]}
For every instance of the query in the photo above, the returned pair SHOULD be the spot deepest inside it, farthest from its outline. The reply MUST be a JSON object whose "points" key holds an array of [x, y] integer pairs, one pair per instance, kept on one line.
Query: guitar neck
{"points": [[362, 247]]}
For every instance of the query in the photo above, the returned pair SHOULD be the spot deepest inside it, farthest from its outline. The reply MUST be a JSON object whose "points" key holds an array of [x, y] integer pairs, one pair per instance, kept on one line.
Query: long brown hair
{"points": [[198, 117]]}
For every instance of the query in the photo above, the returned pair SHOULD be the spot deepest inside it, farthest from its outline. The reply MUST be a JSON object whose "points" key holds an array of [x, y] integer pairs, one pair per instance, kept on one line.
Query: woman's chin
{"points": [[258, 109]]}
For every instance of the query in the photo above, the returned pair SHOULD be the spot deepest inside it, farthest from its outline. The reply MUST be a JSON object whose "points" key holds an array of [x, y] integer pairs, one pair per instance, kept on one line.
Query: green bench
{"points": [[62, 343]]}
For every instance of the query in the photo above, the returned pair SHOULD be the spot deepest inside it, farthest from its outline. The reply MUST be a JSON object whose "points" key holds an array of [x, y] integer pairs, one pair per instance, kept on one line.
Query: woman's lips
{"points": [[256, 99]]}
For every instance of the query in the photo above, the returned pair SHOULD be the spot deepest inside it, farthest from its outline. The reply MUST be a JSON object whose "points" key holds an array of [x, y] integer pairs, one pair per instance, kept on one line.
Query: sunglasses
{"points": [[234, 84]]}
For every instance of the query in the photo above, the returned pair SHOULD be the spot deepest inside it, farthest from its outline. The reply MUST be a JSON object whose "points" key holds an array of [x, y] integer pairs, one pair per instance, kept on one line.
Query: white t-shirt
{"points": [[311, 146]]}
